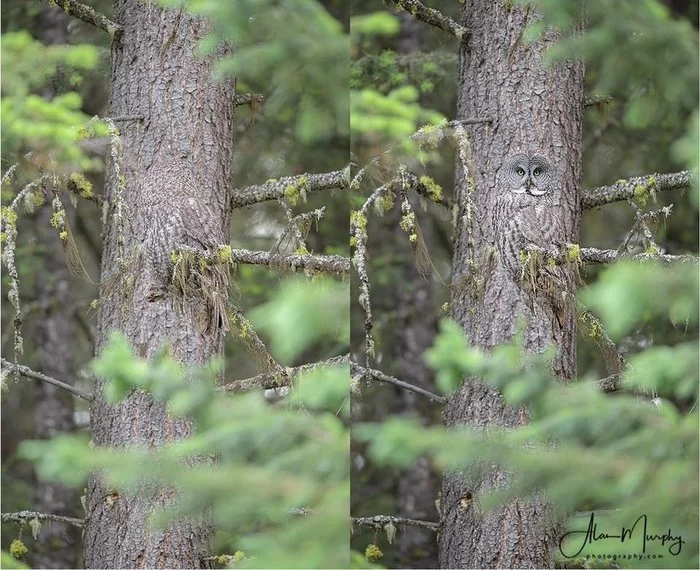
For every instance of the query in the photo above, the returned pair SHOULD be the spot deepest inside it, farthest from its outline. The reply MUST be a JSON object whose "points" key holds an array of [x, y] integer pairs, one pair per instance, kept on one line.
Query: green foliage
{"points": [[295, 48], [9, 561], [374, 24], [389, 118], [649, 291], [280, 490], [295, 319], [642, 55], [31, 122], [585, 450]]}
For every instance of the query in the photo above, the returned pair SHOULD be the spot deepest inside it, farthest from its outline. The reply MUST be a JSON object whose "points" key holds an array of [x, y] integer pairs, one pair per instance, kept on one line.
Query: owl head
{"points": [[525, 174]]}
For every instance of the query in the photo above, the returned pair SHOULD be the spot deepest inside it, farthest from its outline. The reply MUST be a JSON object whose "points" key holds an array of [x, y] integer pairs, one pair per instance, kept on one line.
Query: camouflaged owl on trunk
{"points": [[527, 215], [181, 245]]}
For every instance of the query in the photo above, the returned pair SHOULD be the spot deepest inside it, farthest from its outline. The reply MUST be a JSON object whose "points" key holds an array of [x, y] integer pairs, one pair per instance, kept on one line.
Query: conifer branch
{"points": [[433, 17], [639, 187], [21, 516], [382, 377], [290, 187], [89, 15], [380, 521], [29, 373]]}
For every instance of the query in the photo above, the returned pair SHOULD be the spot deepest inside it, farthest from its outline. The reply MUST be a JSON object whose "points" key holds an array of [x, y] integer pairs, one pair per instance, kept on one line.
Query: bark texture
{"points": [[188, 119], [55, 332], [536, 110]]}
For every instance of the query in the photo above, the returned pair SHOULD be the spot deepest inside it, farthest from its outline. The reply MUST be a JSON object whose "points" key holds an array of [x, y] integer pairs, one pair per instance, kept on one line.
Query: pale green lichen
{"points": [[407, 222], [358, 219], [301, 251], [93, 304], [63, 236], [18, 548], [373, 553], [413, 238], [58, 219]]}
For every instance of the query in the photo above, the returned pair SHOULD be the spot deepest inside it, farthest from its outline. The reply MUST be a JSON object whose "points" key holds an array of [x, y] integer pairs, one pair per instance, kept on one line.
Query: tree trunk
{"points": [[55, 332], [535, 110], [188, 122]]}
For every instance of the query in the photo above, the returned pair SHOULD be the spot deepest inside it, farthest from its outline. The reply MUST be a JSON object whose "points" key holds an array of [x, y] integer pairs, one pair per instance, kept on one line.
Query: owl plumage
{"points": [[526, 215], [174, 214]]}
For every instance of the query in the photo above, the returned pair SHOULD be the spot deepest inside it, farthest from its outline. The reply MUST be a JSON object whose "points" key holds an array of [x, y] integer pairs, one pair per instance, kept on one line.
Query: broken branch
{"points": [[433, 17], [90, 16]]}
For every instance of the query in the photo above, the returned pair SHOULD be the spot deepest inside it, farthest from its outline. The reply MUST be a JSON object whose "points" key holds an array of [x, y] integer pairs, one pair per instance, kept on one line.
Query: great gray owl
{"points": [[526, 214], [174, 214]]}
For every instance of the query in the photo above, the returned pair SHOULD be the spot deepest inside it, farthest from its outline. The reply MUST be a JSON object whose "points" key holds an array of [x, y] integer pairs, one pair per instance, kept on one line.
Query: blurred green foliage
{"points": [[642, 55], [30, 122], [288, 463], [385, 106], [295, 47], [587, 451]]}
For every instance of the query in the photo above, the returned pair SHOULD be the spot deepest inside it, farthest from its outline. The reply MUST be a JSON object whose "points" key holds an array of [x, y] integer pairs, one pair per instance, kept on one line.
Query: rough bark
{"points": [[188, 118], [55, 333], [535, 110]]}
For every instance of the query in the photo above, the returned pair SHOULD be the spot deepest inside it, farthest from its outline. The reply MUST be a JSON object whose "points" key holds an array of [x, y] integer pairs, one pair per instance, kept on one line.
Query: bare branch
{"points": [[334, 264], [640, 187], [269, 381], [29, 373], [248, 98], [87, 14], [382, 377], [31, 515], [597, 100], [593, 256], [433, 17], [380, 521], [291, 187]]}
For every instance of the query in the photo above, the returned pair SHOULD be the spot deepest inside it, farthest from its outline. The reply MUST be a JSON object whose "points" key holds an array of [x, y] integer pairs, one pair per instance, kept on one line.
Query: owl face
{"points": [[528, 174]]}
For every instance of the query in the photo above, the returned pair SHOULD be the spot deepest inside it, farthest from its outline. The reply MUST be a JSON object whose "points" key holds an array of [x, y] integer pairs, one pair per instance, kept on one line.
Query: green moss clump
{"points": [[353, 241], [63, 235], [641, 194], [358, 219], [621, 182], [18, 548], [238, 555], [433, 188], [373, 553], [573, 252], [224, 253], [93, 304], [9, 216], [413, 238], [81, 185], [301, 251], [291, 193]]}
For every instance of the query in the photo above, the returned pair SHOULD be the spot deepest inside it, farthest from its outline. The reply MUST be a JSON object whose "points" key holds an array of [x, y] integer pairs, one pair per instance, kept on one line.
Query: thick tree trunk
{"points": [[535, 110], [188, 122], [55, 332]]}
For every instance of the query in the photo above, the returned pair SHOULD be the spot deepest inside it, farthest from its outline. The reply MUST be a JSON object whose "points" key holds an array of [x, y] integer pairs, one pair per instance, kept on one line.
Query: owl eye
{"points": [[537, 171], [519, 171]]}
